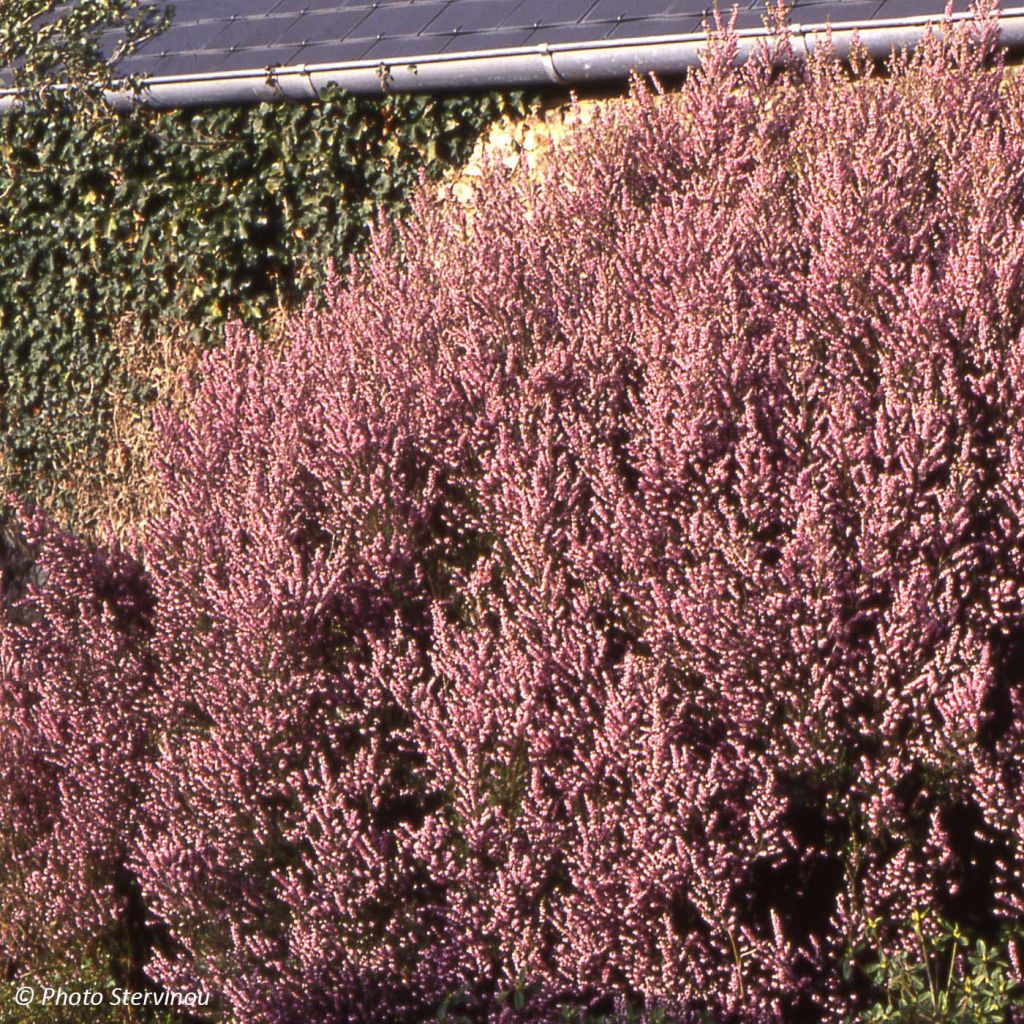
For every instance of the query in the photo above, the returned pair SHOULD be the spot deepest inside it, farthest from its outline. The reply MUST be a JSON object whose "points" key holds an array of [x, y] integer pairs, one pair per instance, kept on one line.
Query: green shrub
{"points": [[940, 978]]}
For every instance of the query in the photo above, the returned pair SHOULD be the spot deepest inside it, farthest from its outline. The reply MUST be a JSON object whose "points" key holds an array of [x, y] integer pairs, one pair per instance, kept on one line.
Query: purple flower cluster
{"points": [[613, 587]]}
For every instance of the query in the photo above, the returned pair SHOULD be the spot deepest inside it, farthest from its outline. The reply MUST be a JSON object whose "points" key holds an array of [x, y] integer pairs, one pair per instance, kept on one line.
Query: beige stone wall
{"points": [[521, 144]]}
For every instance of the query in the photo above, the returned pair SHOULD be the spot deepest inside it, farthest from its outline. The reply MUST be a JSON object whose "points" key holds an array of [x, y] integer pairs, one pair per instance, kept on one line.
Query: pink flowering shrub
{"points": [[612, 593], [76, 684], [288, 788]]}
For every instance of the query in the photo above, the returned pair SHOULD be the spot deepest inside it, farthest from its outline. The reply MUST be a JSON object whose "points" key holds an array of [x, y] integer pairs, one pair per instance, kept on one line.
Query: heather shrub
{"points": [[289, 778], [608, 600], [76, 732]]}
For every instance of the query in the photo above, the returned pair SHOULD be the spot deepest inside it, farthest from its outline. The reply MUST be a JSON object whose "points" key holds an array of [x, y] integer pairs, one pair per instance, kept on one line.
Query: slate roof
{"points": [[211, 36]]}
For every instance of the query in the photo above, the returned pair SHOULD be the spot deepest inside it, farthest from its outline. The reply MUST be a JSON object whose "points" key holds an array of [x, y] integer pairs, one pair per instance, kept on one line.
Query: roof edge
{"points": [[564, 64]]}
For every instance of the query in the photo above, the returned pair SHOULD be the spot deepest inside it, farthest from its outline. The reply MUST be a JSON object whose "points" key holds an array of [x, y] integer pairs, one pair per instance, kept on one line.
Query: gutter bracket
{"points": [[548, 60]]}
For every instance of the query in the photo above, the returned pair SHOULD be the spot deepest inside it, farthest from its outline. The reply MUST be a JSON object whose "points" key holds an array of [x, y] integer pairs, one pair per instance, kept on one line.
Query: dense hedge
{"points": [[614, 592], [188, 217]]}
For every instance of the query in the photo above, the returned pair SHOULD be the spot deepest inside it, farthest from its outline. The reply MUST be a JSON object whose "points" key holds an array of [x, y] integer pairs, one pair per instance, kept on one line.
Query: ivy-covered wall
{"points": [[187, 218]]}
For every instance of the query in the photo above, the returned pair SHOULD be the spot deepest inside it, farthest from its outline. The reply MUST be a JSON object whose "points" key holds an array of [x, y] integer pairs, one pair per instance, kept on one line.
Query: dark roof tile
{"points": [[747, 19], [210, 35], [330, 53], [835, 13], [304, 7], [258, 57], [541, 13], [184, 11], [620, 10], [465, 42], [917, 8], [250, 32], [326, 27], [657, 27], [473, 17], [401, 21], [396, 48], [569, 34]]}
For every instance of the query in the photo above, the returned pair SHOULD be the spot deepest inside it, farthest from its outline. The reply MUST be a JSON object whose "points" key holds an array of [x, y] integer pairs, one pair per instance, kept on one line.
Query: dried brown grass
{"points": [[119, 493]]}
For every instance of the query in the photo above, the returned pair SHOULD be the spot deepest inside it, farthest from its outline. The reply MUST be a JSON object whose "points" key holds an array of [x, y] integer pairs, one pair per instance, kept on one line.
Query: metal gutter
{"points": [[562, 64]]}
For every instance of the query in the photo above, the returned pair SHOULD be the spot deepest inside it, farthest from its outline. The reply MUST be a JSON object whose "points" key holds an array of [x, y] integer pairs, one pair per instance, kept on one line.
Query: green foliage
{"points": [[943, 981], [43, 42], [519, 1002], [186, 217]]}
